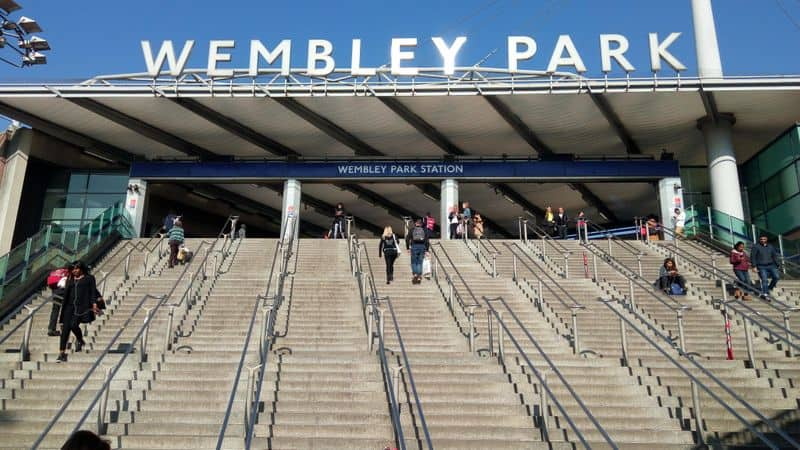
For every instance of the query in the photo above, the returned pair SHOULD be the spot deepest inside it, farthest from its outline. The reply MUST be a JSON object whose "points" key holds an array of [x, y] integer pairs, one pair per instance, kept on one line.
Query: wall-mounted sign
{"points": [[320, 59]]}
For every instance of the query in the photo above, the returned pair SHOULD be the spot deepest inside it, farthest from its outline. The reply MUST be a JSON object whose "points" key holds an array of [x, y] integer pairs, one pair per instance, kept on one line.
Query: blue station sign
{"points": [[494, 170]]}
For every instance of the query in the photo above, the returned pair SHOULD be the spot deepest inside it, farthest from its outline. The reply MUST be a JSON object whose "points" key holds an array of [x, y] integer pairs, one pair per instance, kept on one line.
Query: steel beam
{"points": [[71, 137], [543, 149], [360, 147], [614, 120], [710, 105], [145, 129], [234, 127]]}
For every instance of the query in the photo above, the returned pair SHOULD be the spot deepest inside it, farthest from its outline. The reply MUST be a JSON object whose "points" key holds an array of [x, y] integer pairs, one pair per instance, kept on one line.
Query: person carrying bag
{"points": [[389, 250]]}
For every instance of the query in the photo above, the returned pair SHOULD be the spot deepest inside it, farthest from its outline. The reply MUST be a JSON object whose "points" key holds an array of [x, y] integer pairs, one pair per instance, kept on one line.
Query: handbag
{"points": [[397, 246]]}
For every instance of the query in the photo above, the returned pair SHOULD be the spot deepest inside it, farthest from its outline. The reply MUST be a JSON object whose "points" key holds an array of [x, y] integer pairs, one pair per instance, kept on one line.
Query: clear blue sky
{"points": [[102, 37]]}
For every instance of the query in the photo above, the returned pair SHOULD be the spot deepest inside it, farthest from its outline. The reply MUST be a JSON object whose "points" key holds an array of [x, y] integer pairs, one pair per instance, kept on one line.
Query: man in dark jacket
{"points": [[767, 260], [561, 220], [418, 244]]}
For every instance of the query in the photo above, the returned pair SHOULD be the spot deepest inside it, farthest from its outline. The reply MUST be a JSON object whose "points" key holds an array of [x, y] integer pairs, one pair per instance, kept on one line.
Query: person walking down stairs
{"points": [[418, 244], [176, 237], [81, 304]]}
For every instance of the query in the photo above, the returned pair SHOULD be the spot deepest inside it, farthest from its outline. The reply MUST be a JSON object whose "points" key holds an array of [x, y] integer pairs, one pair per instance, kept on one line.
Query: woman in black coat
{"points": [[80, 306]]}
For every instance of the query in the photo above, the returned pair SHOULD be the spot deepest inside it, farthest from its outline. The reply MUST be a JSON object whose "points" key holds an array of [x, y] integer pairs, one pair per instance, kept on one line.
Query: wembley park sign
{"points": [[320, 56]]}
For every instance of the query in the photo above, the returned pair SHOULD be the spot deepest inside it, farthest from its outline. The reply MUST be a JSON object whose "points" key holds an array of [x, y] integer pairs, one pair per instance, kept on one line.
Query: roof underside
{"points": [[149, 123]]}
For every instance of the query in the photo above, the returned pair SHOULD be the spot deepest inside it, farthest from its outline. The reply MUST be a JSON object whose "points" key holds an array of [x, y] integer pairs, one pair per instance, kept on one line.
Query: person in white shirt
{"points": [[678, 221]]}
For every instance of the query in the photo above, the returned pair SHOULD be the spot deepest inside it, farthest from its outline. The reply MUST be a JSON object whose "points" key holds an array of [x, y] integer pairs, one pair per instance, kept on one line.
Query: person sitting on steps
{"points": [[669, 280]]}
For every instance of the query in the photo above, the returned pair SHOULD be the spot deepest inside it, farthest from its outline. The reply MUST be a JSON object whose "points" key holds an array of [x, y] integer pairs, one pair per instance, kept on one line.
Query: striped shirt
{"points": [[175, 234]]}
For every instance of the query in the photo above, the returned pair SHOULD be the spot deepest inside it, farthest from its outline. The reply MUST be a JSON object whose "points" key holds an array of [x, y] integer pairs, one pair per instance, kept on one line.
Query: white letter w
{"points": [[166, 52]]}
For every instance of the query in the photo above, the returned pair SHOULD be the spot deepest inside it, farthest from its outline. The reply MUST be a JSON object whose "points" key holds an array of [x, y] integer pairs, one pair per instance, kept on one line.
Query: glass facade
{"points": [[696, 187], [772, 178], [75, 198]]}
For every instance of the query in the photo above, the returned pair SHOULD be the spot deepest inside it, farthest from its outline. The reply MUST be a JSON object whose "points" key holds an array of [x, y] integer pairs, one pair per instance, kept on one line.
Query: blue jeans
{"points": [[770, 271], [744, 277], [417, 255]]}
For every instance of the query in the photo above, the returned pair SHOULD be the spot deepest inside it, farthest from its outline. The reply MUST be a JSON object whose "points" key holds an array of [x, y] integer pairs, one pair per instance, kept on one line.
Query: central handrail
{"points": [[542, 234], [538, 374], [552, 281], [374, 300], [697, 381], [141, 334]]}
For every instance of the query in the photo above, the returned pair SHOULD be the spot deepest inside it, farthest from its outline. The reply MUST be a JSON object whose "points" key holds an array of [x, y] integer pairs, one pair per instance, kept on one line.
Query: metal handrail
{"points": [[543, 235], [453, 293], [499, 317], [126, 260], [370, 306], [574, 307], [33, 311], [624, 244], [141, 334], [285, 246], [374, 302], [258, 303], [697, 382]]}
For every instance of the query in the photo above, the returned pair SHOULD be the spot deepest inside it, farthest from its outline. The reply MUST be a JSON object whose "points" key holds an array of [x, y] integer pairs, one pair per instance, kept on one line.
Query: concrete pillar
{"points": [[709, 63], [291, 206], [723, 171], [670, 196], [448, 200], [16, 164], [136, 204]]}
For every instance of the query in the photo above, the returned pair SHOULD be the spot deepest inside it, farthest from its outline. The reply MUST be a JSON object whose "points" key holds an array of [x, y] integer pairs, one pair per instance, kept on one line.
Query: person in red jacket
{"points": [[741, 264]]}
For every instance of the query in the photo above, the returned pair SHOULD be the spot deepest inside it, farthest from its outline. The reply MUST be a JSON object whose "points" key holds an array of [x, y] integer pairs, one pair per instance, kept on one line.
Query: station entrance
{"points": [[381, 193]]}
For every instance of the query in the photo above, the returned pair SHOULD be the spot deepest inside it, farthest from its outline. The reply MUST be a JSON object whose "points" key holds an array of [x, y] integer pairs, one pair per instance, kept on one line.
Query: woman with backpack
{"points": [[389, 250]]}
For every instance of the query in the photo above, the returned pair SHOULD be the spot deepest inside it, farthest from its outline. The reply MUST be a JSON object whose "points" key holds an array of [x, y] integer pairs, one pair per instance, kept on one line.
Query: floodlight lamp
{"points": [[2, 41], [33, 59], [28, 25], [9, 25], [35, 43], [9, 6]]}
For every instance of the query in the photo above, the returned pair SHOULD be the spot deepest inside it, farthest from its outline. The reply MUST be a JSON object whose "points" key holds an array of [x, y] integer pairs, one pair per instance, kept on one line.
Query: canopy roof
{"points": [[482, 112]]}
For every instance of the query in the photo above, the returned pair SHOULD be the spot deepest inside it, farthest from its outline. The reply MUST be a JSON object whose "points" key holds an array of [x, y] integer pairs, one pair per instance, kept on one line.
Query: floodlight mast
{"points": [[28, 48]]}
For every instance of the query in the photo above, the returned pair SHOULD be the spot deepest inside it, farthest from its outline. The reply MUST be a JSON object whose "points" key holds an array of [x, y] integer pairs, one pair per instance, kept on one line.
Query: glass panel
{"points": [[108, 183], [97, 204], [750, 174], [780, 154], [757, 202], [772, 192], [783, 219], [78, 182]]}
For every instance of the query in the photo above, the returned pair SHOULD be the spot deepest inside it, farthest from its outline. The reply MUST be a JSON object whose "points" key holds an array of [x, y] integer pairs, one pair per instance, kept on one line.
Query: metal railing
{"points": [[28, 320], [746, 312], [504, 330], [559, 292], [695, 382], [374, 318], [453, 295], [545, 241], [141, 337]]}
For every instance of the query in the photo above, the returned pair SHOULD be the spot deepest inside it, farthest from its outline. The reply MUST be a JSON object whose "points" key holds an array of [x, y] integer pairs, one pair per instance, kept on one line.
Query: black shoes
{"points": [[416, 279], [79, 346], [62, 357], [53, 333]]}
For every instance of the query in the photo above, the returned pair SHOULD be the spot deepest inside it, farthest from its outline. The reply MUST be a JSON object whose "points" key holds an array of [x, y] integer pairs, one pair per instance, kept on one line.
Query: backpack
{"points": [[418, 235], [55, 276], [676, 289]]}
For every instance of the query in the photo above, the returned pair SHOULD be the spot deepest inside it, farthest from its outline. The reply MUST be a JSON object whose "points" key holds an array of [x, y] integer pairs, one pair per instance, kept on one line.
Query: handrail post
{"points": [[637, 226], [714, 269], [594, 267], [101, 411], [494, 265], [783, 257], [127, 267], [586, 232], [544, 248], [471, 313], [787, 325], [576, 346], [540, 294], [631, 294], [639, 262], [698, 415], [519, 228], [396, 371], [349, 220], [143, 341], [26, 338], [265, 314], [755, 232], [380, 323], [450, 291], [543, 402], [248, 404], [47, 236], [646, 233], [490, 325], [370, 327], [514, 265], [730, 230], [28, 243], [624, 340], [500, 338], [566, 265], [681, 336], [168, 334], [100, 228], [525, 229], [749, 342], [710, 223], [609, 245]]}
